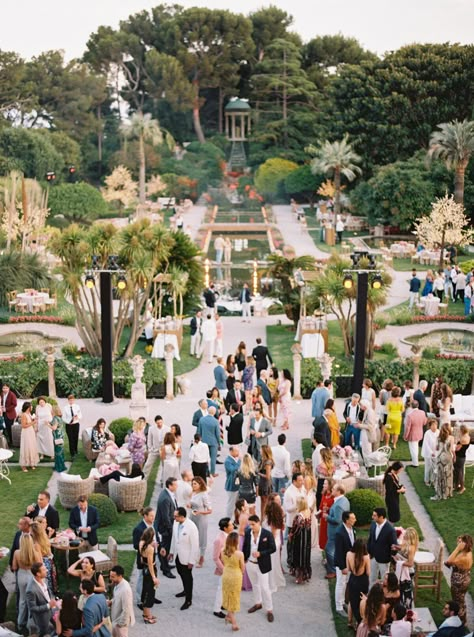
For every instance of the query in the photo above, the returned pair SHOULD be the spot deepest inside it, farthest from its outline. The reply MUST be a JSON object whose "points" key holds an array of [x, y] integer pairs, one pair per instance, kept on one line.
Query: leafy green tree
{"points": [[20, 270], [29, 151], [269, 24], [337, 160], [283, 269], [77, 203], [270, 176], [454, 142], [302, 182]]}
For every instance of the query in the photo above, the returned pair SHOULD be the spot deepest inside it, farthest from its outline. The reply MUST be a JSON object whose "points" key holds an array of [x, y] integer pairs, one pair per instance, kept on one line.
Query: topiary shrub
{"points": [[363, 502], [106, 507], [119, 427]]}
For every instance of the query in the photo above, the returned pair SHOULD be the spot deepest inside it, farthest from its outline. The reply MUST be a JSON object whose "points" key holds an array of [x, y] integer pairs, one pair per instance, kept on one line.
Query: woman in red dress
{"points": [[327, 500]]}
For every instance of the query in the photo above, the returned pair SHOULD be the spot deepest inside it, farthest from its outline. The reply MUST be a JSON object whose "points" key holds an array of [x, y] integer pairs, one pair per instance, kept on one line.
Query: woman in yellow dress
{"points": [[234, 566], [395, 408], [333, 422]]}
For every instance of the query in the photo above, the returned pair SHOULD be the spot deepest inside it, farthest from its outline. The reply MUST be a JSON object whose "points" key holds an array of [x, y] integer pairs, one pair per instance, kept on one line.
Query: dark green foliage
{"points": [[303, 184], [363, 502], [29, 151], [120, 427], [310, 374], [105, 507], [83, 378], [77, 203], [19, 271]]}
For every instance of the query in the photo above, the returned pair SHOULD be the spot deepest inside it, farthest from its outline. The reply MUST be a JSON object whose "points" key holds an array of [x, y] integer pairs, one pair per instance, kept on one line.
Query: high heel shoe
{"points": [[149, 620]]}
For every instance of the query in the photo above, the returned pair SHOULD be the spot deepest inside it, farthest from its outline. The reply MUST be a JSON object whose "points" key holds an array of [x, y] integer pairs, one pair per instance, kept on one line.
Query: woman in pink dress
{"points": [[284, 400], [29, 456]]}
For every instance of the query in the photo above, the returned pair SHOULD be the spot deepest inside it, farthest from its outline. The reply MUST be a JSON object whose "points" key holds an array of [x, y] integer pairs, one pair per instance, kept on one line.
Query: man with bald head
{"points": [[208, 429]]}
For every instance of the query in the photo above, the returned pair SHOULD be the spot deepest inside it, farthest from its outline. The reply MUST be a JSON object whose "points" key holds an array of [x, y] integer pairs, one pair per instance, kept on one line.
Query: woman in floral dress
{"points": [[443, 465], [137, 442], [299, 543], [284, 398], [57, 428]]}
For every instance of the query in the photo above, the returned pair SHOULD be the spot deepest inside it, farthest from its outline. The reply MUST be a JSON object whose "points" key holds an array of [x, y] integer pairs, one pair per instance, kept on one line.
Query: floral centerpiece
{"points": [[346, 459]]}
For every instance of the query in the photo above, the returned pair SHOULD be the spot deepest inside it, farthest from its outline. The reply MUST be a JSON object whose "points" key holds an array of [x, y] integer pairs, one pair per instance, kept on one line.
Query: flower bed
{"points": [[441, 318], [35, 318]]}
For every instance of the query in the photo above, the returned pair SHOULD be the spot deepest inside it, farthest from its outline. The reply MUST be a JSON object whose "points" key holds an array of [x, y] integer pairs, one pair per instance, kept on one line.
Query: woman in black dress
{"points": [[461, 449], [265, 477], [246, 479], [146, 551], [393, 488], [299, 543], [358, 565], [69, 617]]}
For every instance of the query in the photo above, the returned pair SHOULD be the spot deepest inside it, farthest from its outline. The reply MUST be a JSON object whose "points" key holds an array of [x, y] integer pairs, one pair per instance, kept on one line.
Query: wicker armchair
{"points": [[101, 488], [87, 444], [16, 434], [70, 491], [112, 554], [128, 496]]}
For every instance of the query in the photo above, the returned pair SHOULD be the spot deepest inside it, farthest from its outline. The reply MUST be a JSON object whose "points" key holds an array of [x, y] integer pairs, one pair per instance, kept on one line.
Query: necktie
{"points": [[72, 413]]}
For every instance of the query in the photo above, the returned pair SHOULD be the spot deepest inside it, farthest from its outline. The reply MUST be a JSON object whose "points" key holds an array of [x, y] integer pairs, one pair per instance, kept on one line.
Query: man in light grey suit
{"points": [[39, 601], [334, 519], [260, 431], [121, 612], [93, 615]]}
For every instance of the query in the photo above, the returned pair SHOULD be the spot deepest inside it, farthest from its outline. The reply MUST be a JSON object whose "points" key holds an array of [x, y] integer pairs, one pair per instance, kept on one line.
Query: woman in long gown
{"points": [[358, 565], [200, 506], [460, 562], [28, 450], [44, 439], [327, 500], [299, 543], [284, 398], [265, 477], [445, 403], [42, 545], [234, 566], [310, 486], [275, 522], [137, 442], [241, 519], [169, 457], [333, 422], [393, 489], [57, 428], [443, 465]]}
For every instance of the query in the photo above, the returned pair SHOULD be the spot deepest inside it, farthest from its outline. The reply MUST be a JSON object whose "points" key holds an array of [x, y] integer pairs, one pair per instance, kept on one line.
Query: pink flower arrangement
{"points": [[465, 357], [455, 318], [36, 319]]}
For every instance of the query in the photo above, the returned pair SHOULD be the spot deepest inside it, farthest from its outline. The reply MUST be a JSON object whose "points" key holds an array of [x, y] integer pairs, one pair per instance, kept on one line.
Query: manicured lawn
{"points": [[314, 232], [406, 264], [451, 517]]}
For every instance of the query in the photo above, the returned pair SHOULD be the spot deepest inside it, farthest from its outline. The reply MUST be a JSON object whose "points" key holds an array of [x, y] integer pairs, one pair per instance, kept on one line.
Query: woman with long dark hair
{"points": [[460, 461], [275, 521], [69, 617], [373, 611], [358, 565], [146, 551], [393, 488]]}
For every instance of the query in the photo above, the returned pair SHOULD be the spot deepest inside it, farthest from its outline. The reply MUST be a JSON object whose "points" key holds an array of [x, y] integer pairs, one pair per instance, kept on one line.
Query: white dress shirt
{"points": [[282, 466], [199, 453], [378, 528]]}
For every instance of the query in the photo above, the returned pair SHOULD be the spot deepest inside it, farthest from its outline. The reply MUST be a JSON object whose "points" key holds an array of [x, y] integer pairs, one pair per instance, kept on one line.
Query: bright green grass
{"points": [[451, 517], [314, 232]]}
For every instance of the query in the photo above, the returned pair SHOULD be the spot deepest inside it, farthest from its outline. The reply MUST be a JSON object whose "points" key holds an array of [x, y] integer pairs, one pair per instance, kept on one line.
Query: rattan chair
{"points": [[128, 496], [101, 488], [90, 454], [70, 491], [429, 576], [12, 300], [112, 554], [16, 434]]}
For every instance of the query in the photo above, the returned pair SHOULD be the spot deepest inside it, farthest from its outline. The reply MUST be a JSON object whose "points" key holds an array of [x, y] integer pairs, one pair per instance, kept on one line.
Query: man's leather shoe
{"points": [[182, 594], [158, 601], [171, 566], [219, 462], [270, 616], [140, 606], [330, 575], [185, 606], [221, 615], [254, 608], [170, 575]]}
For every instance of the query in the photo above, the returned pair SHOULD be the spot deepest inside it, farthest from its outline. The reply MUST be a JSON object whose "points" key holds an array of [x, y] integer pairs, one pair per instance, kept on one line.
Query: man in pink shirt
{"points": [[225, 527], [414, 423]]}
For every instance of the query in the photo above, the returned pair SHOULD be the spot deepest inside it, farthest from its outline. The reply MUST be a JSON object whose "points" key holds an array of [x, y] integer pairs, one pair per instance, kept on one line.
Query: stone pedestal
{"points": [[138, 405], [169, 356], [296, 351], [416, 365], [51, 379]]}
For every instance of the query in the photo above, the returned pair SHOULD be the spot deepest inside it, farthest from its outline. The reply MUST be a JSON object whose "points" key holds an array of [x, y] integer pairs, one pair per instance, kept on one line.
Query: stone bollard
{"points": [[169, 355], [51, 379], [296, 351]]}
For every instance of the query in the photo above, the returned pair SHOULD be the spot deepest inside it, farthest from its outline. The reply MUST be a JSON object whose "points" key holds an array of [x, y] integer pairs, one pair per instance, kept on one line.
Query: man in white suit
{"points": [[121, 613], [185, 548]]}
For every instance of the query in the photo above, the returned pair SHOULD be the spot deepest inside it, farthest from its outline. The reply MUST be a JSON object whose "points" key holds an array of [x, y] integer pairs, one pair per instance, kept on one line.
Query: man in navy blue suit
{"points": [[84, 520], [93, 614]]}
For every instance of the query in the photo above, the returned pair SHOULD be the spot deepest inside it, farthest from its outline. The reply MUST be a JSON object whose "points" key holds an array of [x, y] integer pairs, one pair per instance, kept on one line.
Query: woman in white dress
{"points": [[28, 450], [169, 457], [200, 506], [44, 438], [310, 486], [274, 521]]}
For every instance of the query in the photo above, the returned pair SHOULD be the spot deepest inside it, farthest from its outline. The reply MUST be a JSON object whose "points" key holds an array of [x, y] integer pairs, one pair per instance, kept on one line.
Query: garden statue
{"points": [[138, 404], [325, 362], [50, 350]]}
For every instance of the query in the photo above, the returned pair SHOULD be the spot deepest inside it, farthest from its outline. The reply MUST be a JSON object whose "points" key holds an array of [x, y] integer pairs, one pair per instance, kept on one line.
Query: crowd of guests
{"points": [[449, 284]]}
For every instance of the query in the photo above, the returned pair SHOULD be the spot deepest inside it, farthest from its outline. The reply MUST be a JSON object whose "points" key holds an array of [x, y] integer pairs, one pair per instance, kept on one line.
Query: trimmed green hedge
{"points": [[108, 513], [363, 502]]}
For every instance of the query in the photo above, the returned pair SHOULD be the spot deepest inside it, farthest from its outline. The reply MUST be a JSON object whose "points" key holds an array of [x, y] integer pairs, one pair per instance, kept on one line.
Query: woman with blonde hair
{"points": [[169, 456], [42, 545], [23, 559], [310, 486], [299, 543], [137, 442], [234, 567], [326, 468], [405, 565], [264, 487], [200, 506], [247, 479], [272, 384], [395, 409]]}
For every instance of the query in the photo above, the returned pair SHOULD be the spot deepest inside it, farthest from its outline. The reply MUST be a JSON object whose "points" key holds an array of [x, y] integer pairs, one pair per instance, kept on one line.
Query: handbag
{"points": [[2, 423], [59, 441]]}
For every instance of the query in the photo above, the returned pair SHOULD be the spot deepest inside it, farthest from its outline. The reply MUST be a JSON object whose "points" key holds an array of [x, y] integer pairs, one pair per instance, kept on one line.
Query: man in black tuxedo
{"points": [[148, 518], [234, 428], [382, 536], [165, 514], [84, 520], [235, 395], [321, 427], [262, 357], [344, 541], [259, 544], [45, 509]]}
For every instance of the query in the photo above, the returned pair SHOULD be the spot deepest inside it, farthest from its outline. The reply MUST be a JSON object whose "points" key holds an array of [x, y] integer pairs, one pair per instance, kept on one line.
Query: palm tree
{"points": [[283, 269], [145, 129], [454, 143], [336, 159]]}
